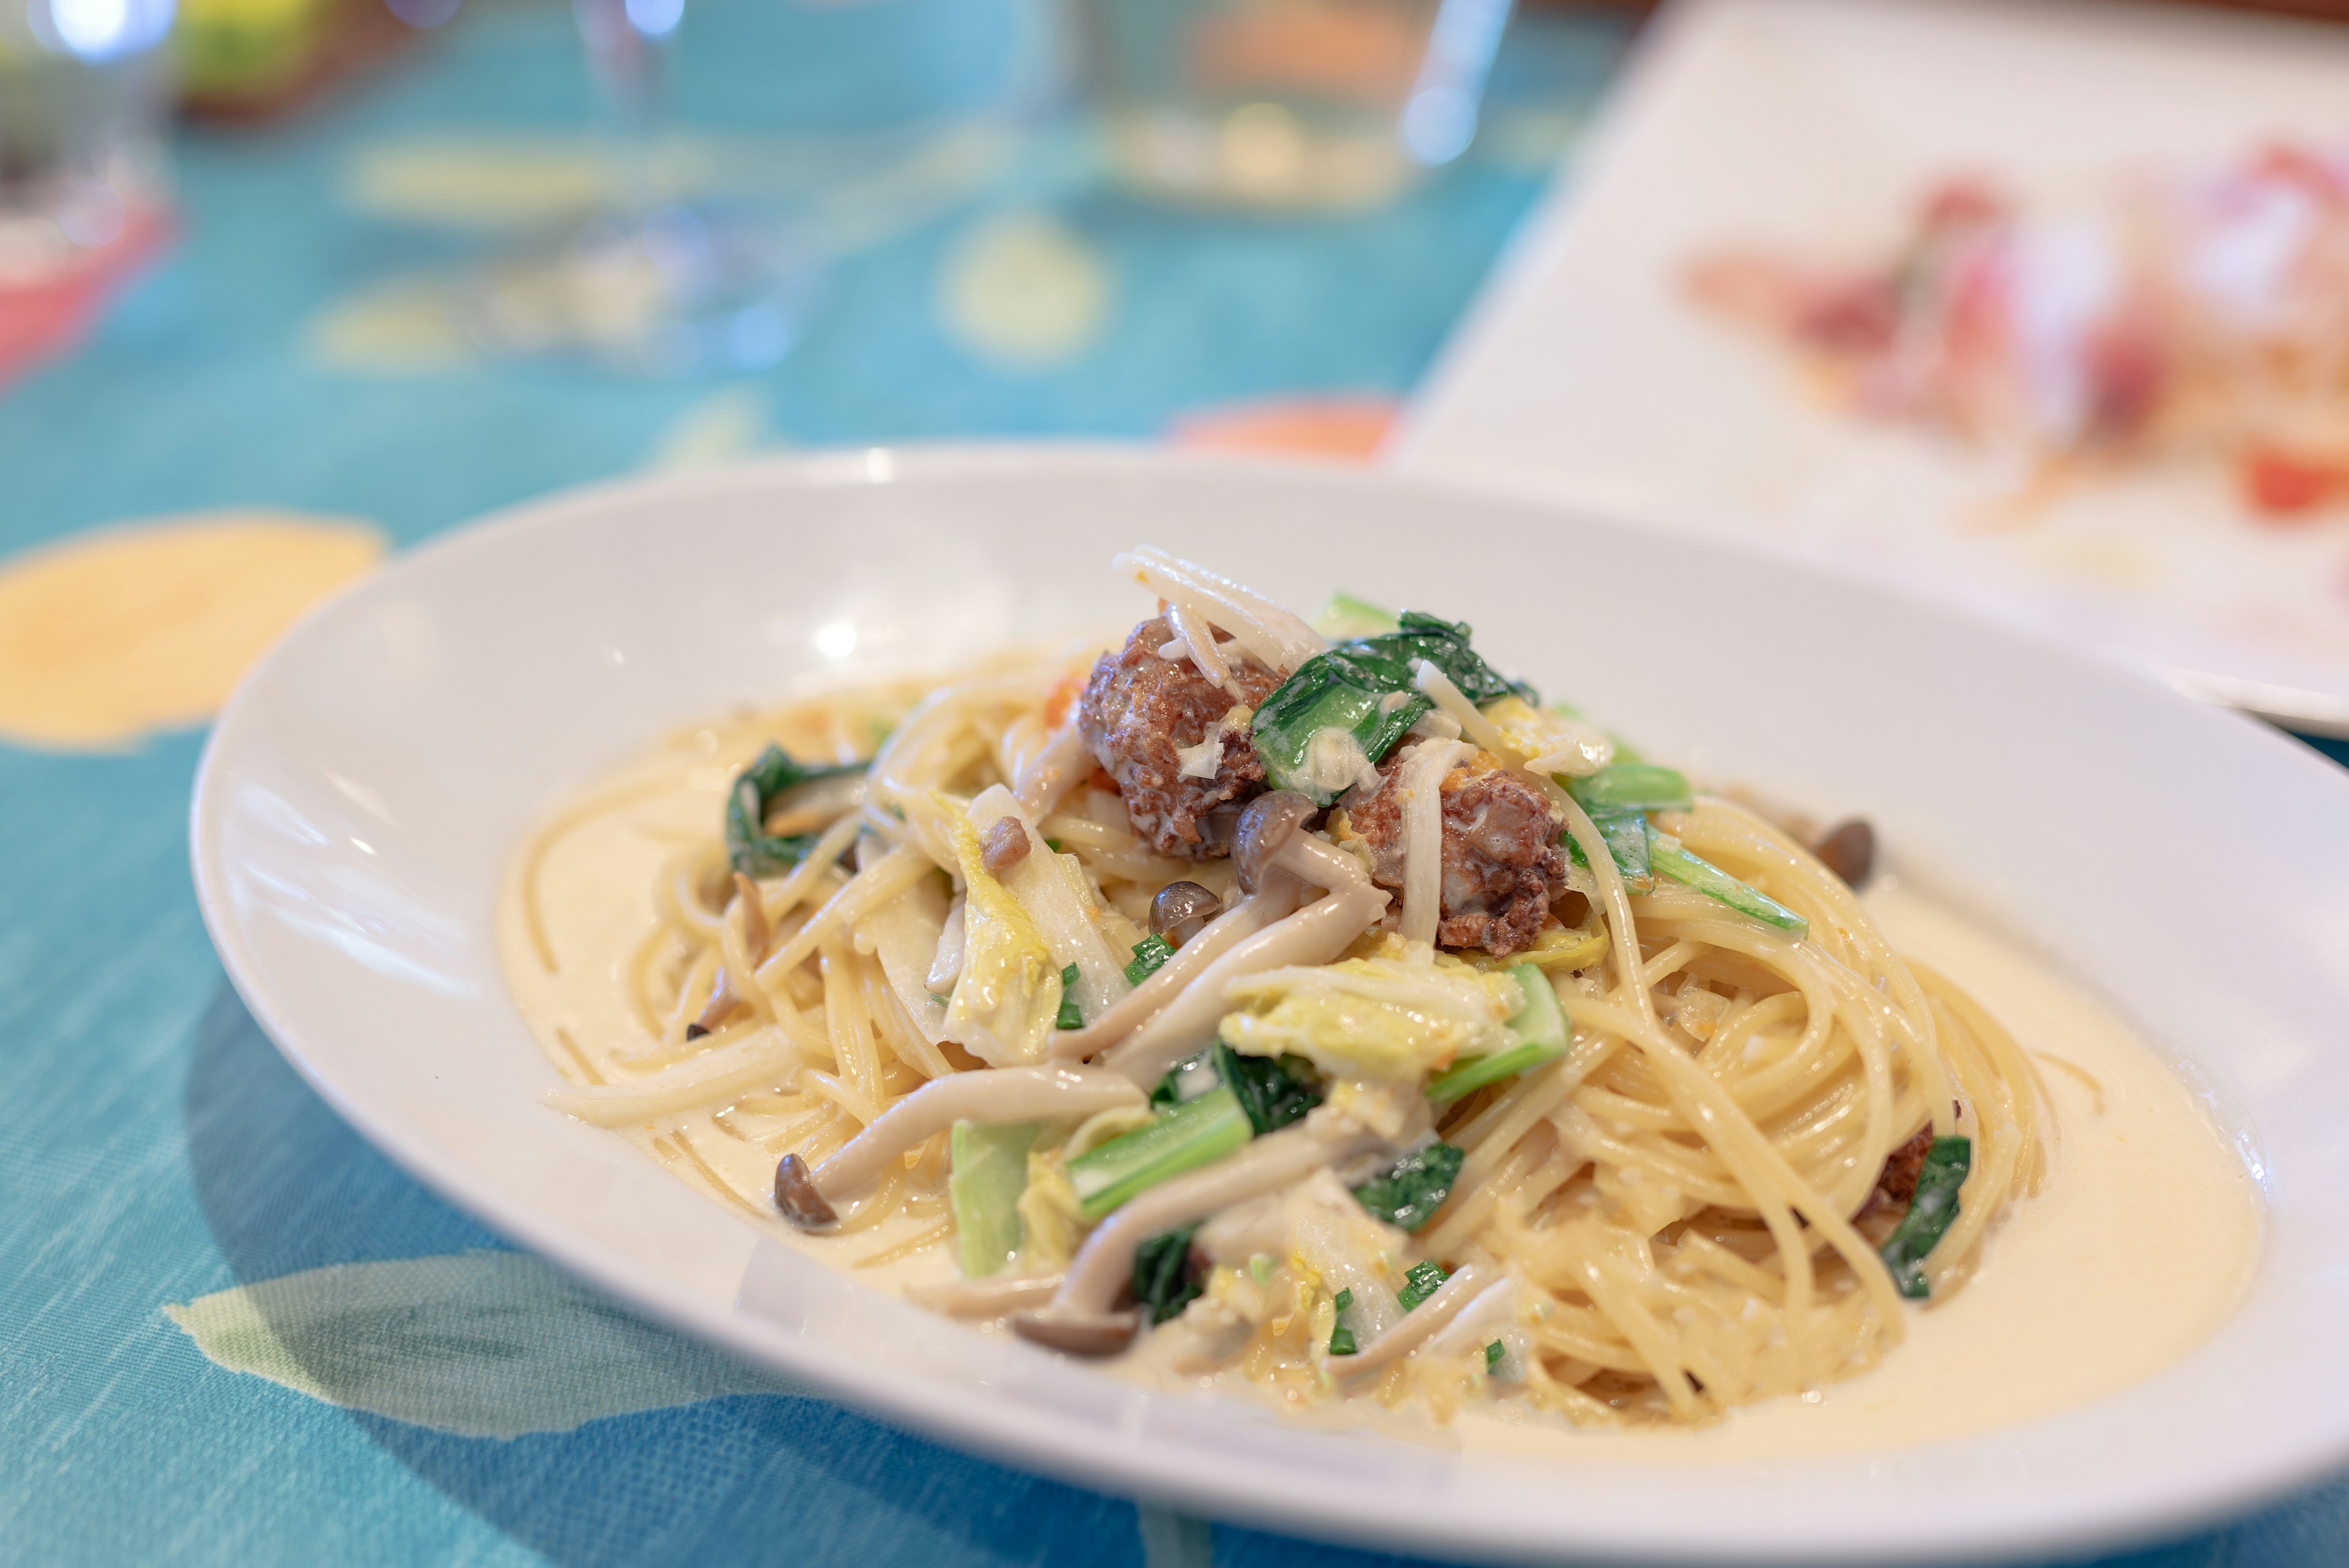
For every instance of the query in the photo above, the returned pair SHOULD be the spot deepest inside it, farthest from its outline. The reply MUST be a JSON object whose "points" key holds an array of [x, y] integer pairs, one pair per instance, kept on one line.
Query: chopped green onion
{"points": [[1149, 955], [989, 1173], [1930, 1214], [1054, 846], [1414, 1187], [1341, 1338], [1632, 786], [749, 847], [1070, 1016], [942, 1001], [1274, 1090], [1196, 1133], [1492, 1354], [1164, 1283], [1538, 1029], [1665, 854], [1346, 707], [1421, 1281]]}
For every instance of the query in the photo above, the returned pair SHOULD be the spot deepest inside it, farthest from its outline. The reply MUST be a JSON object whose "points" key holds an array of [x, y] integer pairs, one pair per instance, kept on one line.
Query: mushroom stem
{"points": [[1420, 1324], [1315, 934], [1494, 1308], [1321, 863], [985, 1298], [993, 1096], [1052, 770], [1104, 1264], [755, 930], [1235, 925]]}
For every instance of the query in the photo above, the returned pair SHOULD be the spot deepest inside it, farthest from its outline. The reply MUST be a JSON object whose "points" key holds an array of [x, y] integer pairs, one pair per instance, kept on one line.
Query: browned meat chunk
{"points": [[1139, 711], [1502, 865], [1896, 1187]]}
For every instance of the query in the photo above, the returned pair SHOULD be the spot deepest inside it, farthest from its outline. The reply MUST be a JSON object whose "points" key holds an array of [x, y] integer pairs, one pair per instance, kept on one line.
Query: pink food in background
{"points": [[2201, 315]]}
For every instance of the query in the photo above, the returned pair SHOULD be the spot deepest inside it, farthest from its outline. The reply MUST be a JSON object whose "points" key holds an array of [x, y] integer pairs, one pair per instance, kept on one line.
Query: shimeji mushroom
{"points": [[989, 1098], [1080, 1318], [1271, 848]]}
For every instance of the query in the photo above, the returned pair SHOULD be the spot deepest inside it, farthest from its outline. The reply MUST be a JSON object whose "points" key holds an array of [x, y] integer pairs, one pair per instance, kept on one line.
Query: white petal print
{"points": [[488, 1345]]}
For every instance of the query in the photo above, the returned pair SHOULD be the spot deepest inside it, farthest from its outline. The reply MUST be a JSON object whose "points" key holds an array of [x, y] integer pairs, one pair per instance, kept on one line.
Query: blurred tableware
{"points": [[1287, 103], [245, 60], [656, 283], [1593, 373], [83, 190]]}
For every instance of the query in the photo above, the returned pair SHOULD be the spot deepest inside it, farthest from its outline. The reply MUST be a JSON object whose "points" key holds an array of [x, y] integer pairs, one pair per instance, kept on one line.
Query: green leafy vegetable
{"points": [[1070, 1016], [1492, 1354], [989, 1173], [1477, 1071], [1421, 1281], [1347, 617], [1164, 1281], [1191, 1135], [749, 846], [1341, 1338], [1665, 854], [1054, 846], [1444, 644], [1537, 1028], [1273, 1090], [1930, 1214], [1188, 1080], [1149, 955], [1348, 707], [1632, 786], [1625, 834], [1414, 1187]]}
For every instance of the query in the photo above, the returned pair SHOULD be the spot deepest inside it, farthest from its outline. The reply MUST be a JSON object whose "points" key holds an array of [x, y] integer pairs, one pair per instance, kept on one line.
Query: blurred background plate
{"points": [[1816, 128]]}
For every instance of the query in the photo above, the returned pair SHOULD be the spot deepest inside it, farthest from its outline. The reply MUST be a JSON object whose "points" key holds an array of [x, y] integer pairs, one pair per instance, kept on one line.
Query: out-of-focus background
{"points": [[2042, 306]]}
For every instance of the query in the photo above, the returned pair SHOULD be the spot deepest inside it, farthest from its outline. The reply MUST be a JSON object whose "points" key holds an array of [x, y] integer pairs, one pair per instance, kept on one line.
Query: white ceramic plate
{"points": [[1814, 126], [366, 786]]}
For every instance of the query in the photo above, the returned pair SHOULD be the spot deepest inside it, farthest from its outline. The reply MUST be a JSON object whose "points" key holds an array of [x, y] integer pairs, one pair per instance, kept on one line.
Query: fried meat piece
{"points": [[1139, 712], [1502, 865]]}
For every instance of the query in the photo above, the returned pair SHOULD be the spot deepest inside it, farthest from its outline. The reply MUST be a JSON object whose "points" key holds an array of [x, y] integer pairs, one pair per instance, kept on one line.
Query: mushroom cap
{"points": [[796, 1196], [1075, 1333], [1267, 825], [1182, 910]]}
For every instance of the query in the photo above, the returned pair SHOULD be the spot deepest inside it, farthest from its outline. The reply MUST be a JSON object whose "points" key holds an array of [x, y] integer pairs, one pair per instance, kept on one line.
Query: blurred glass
{"points": [[81, 100], [655, 284], [1287, 103]]}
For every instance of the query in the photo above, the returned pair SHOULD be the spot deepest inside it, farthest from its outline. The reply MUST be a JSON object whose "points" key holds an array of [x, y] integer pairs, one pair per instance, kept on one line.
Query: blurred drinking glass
{"points": [[82, 165], [1288, 103], [655, 282]]}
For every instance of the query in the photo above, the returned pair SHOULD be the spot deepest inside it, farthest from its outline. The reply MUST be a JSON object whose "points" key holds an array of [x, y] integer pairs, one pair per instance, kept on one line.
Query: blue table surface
{"points": [[287, 353]]}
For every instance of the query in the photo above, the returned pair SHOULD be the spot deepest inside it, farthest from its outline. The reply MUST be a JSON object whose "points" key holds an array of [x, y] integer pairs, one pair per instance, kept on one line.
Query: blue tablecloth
{"points": [[194, 1370]]}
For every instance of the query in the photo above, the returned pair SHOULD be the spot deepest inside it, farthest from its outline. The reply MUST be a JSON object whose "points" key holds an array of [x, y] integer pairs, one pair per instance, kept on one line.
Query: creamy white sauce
{"points": [[2140, 1241]]}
